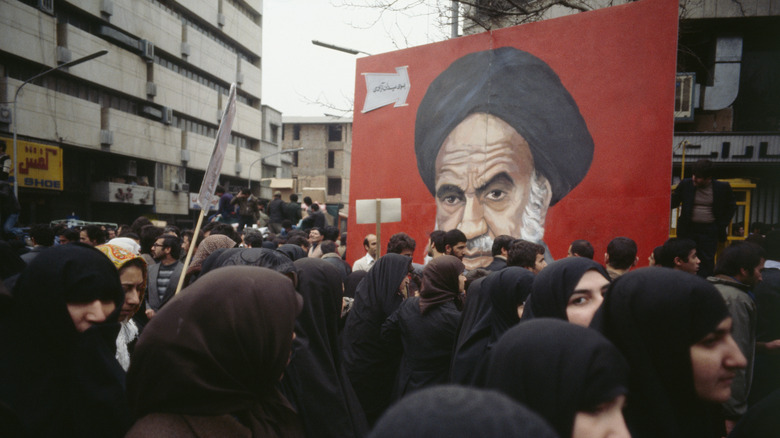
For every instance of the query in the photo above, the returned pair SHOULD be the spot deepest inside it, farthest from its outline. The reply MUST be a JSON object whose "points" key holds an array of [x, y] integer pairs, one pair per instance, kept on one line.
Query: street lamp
{"points": [[249, 172], [16, 96], [339, 48]]}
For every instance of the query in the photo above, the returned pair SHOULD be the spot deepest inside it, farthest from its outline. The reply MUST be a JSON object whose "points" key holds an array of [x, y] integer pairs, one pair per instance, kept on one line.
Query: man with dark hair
{"points": [[69, 235], [225, 209], [620, 256], [275, 213], [527, 255], [436, 244], [42, 237], [300, 240], [292, 210], [500, 252], [315, 237], [498, 140], [92, 235], [678, 253], [330, 255], [317, 216], [401, 243], [367, 261], [707, 208], [186, 241], [581, 248], [172, 230], [163, 277], [253, 239], [247, 208], [766, 378], [455, 243], [738, 272], [223, 229]]}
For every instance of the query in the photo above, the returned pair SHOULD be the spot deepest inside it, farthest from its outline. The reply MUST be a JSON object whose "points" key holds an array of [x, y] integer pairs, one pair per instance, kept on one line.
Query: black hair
{"points": [[657, 254], [400, 242], [286, 224], [172, 242], [328, 246], [734, 258], [95, 233], [298, 240], [246, 191], [138, 223], [173, 228], [149, 235], [454, 237], [307, 200], [253, 239], [582, 248], [293, 197], [437, 239], [673, 248], [501, 242], [329, 232], [225, 229], [71, 234], [219, 190], [523, 253], [315, 207], [621, 252], [43, 234], [702, 169]]}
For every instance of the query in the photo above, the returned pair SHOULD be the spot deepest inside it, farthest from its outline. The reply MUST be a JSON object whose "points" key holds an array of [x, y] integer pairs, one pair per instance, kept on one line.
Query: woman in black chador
{"points": [[57, 345], [570, 375], [674, 330], [315, 381], [370, 367], [424, 328]]}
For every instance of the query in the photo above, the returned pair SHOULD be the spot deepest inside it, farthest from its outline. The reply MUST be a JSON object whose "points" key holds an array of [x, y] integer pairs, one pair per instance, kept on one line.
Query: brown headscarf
{"points": [[208, 246], [219, 348], [440, 282]]}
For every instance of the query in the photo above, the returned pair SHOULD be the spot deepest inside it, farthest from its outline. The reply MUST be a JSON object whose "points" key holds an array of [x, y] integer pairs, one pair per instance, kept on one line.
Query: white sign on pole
{"points": [[386, 88], [209, 183], [366, 210]]}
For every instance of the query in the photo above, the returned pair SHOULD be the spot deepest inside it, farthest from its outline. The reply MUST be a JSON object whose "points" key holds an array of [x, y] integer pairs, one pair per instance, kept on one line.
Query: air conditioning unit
{"points": [[221, 19], [147, 49], [185, 49], [63, 55], [185, 187], [219, 115], [106, 137], [151, 89], [239, 78], [176, 187], [151, 112], [185, 155], [107, 7], [167, 115]]}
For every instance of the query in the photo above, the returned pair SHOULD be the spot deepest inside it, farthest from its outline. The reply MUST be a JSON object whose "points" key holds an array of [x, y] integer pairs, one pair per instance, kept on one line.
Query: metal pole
{"points": [[378, 228], [249, 172], [16, 96], [339, 48], [454, 16]]}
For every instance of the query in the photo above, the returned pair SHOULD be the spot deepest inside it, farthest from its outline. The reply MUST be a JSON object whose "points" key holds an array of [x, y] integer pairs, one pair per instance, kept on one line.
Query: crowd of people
{"points": [[276, 335]]}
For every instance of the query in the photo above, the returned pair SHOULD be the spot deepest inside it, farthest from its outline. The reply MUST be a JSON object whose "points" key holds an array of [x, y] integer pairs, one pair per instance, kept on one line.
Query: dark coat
{"points": [[152, 297], [276, 211], [766, 377], [497, 264], [723, 205], [292, 212]]}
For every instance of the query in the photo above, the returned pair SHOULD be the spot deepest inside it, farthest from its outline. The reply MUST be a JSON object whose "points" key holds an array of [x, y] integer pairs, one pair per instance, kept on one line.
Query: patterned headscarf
{"points": [[120, 257]]}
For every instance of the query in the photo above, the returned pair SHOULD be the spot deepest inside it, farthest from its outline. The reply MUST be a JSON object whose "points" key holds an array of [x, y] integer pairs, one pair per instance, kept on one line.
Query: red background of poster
{"points": [[618, 63]]}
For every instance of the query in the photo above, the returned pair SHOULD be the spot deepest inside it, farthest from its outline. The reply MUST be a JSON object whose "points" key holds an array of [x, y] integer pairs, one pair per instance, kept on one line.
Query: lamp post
{"points": [[339, 48], [16, 96], [249, 172]]}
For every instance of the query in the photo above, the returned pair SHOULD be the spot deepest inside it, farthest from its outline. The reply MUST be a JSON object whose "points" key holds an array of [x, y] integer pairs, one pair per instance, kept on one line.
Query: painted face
{"points": [[715, 360], [132, 280], [539, 264], [459, 250], [483, 173], [587, 298], [605, 422], [692, 265], [84, 315]]}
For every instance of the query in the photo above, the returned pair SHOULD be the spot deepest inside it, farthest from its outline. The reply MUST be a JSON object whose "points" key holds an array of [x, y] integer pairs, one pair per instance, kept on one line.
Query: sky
{"points": [[297, 73]]}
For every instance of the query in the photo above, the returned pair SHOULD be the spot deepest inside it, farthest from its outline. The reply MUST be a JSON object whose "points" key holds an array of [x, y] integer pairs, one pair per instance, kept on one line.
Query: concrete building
{"points": [[132, 132], [325, 160]]}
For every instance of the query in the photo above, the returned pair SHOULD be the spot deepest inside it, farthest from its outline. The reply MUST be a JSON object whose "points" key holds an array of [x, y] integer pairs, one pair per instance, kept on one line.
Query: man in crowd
{"points": [[766, 378], [292, 210], [163, 277], [620, 256], [225, 208], [329, 254], [42, 237], [92, 235], [315, 237], [707, 208], [401, 243], [736, 275], [69, 235], [247, 208], [275, 213], [527, 255], [500, 252], [581, 248], [678, 253], [367, 261], [455, 243], [486, 150]]}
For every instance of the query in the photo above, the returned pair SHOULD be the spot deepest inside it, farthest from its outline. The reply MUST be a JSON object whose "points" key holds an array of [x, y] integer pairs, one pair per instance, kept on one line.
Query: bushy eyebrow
{"points": [[451, 189]]}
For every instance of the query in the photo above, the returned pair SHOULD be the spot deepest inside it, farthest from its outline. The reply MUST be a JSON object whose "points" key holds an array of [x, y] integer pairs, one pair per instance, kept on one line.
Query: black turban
{"points": [[523, 91]]}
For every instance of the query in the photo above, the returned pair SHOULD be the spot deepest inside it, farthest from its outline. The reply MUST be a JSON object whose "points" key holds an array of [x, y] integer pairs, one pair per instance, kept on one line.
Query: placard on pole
{"points": [[378, 211]]}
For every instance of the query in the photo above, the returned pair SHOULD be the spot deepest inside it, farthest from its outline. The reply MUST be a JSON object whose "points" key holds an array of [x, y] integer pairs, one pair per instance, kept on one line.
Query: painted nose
{"points": [[473, 222]]}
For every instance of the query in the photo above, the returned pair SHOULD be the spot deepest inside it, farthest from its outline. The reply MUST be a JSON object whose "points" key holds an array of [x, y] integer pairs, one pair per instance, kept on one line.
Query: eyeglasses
{"points": [[156, 245]]}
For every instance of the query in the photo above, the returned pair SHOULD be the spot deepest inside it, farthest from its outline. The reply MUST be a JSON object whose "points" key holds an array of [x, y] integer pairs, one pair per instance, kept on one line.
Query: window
{"points": [[334, 132], [295, 159], [274, 133], [296, 132], [334, 186], [331, 159]]}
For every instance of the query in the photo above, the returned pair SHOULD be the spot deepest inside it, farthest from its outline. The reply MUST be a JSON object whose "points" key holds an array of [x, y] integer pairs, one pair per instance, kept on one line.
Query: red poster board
{"points": [[618, 64]]}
